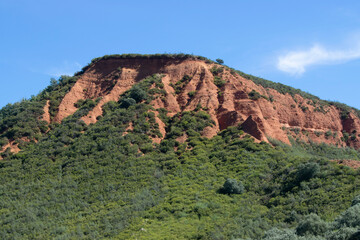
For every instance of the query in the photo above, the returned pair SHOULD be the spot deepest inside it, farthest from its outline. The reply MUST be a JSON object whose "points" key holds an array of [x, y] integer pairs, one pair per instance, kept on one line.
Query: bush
{"points": [[219, 82], [307, 171], [138, 94], [277, 234], [312, 224], [349, 218], [356, 200], [127, 102], [355, 236], [254, 95], [231, 186], [342, 234], [191, 94], [3, 141]]}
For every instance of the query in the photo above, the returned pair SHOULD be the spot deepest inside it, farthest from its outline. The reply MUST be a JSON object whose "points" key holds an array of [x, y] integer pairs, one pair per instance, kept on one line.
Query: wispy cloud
{"points": [[65, 69], [296, 62]]}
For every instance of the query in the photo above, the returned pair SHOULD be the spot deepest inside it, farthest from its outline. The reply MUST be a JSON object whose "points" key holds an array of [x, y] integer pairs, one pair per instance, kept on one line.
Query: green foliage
{"points": [[178, 87], [219, 61], [328, 134], [127, 102], [307, 171], [279, 234], [254, 95], [349, 218], [56, 92], [3, 141], [219, 82], [342, 234], [216, 70], [109, 181], [231, 186], [356, 200], [22, 120], [191, 94], [312, 224], [138, 94]]}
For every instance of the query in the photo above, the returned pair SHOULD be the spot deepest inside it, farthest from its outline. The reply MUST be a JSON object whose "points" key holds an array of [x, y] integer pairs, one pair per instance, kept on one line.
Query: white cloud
{"points": [[296, 62], [66, 69]]}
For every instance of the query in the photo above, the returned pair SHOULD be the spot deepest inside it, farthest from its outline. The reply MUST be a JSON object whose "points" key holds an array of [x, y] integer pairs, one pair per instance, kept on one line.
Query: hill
{"points": [[176, 147]]}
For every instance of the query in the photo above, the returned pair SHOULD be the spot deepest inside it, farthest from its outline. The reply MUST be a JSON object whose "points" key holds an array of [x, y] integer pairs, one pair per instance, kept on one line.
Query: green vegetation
{"points": [[23, 120], [219, 61], [219, 82], [231, 186], [217, 70], [56, 92], [111, 181], [191, 94], [178, 87], [98, 181], [254, 95]]}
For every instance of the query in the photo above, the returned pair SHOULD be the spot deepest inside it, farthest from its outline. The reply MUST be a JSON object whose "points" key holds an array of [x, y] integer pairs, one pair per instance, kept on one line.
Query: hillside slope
{"points": [[143, 167], [228, 97]]}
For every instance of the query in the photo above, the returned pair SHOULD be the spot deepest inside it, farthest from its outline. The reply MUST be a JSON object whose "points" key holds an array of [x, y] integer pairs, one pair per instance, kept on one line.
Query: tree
{"points": [[53, 82], [219, 61], [312, 224], [231, 186]]}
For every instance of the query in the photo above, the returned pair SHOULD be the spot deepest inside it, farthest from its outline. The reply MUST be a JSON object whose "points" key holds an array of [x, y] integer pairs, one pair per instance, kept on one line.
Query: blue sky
{"points": [[311, 45]]}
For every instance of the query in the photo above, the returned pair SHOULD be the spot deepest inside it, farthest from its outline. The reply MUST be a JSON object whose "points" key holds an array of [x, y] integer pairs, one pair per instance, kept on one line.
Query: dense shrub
{"points": [[279, 234], [191, 93], [356, 200], [138, 94], [311, 225], [343, 233], [307, 171], [254, 95], [127, 102], [349, 218], [232, 186], [219, 82]]}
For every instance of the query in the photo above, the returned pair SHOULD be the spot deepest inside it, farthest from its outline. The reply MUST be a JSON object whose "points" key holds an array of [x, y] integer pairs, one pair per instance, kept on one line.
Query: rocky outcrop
{"points": [[226, 96]]}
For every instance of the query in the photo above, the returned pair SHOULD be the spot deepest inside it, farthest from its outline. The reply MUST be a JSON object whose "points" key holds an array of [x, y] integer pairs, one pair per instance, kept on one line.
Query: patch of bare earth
{"points": [[46, 115], [350, 163]]}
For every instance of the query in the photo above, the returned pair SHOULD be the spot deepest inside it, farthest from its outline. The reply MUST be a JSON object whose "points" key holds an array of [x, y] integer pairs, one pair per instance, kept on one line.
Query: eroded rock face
{"points": [[272, 115]]}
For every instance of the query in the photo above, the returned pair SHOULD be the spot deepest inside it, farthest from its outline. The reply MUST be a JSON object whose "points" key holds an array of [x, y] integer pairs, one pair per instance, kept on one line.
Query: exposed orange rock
{"points": [[161, 125], [227, 105], [13, 148], [46, 115]]}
